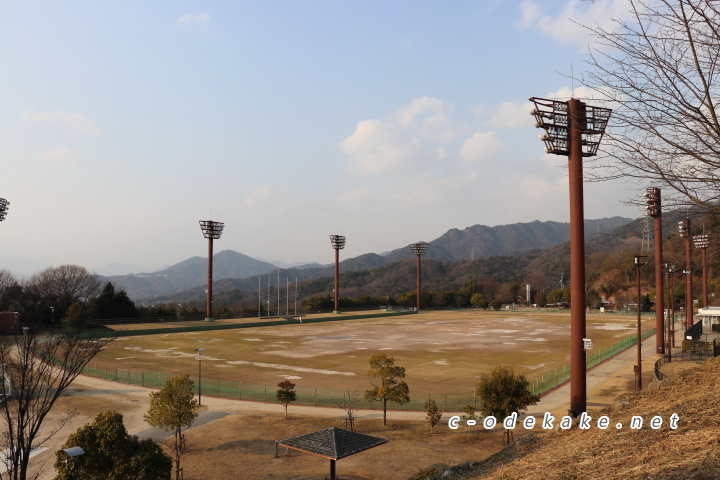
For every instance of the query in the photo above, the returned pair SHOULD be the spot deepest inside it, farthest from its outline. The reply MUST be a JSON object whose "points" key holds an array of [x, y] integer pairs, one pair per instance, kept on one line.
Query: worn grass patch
{"points": [[442, 352]]}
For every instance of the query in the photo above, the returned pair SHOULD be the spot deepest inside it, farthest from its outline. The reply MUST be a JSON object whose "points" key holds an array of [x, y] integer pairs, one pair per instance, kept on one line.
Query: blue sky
{"points": [[125, 123]]}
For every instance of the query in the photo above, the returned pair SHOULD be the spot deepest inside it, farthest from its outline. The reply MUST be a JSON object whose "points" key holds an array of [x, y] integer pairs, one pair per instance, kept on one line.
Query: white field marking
{"points": [[361, 348], [168, 353], [386, 348], [351, 356], [509, 343], [611, 326], [531, 340], [221, 365], [288, 367], [441, 362], [123, 358], [501, 331], [253, 339], [289, 377]]}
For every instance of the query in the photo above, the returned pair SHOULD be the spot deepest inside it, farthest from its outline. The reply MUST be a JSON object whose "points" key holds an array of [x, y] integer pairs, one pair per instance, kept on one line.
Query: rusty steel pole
{"points": [[212, 231], [338, 243], [574, 129], [689, 307], [638, 367], [702, 242], [659, 289], [653, 208], [578, 392], [671, 305], [418, 249], [704, 278], [208, 296]]}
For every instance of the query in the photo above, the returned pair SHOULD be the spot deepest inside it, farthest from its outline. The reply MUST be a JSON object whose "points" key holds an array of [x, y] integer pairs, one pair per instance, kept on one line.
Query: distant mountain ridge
{"points": [[477, 241]]}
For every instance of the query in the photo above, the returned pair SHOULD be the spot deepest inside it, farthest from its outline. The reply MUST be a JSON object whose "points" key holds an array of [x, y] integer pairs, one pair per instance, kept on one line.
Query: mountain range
{"points": [[234, 270]]}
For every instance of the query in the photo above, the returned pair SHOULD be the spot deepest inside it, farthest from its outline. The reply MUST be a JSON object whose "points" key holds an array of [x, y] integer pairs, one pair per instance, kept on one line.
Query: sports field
{"points": [[443, 352]]}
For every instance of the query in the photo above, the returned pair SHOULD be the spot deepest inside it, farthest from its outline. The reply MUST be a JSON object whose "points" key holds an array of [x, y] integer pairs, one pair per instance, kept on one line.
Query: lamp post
{"points": [[639, 262], [574, 129], [212, 231], [338, 243], [653, 208], [72, 454], [702, 242], [418, 249], [199, 350], [684, 227]]}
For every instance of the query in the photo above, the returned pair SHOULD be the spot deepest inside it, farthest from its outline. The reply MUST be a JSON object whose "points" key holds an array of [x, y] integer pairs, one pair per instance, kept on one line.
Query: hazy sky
{"points": [[125, 123]]}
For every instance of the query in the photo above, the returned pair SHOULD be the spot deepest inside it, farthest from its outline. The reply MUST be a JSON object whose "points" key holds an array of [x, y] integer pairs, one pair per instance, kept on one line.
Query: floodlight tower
{"points": [[574, 129], [338, 243], [4, 204], [212, 231], [418, 249], [684, 227], [640, 260], [702, 242], [653, 208]]}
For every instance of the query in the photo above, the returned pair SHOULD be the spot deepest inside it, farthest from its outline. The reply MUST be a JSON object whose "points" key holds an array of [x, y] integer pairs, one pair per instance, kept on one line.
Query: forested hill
{"points": [[478, 241]]}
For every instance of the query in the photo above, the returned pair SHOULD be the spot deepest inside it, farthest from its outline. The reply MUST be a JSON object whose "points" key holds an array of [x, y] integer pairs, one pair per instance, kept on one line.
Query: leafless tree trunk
{"points": [[659, 72], [31, 386]]}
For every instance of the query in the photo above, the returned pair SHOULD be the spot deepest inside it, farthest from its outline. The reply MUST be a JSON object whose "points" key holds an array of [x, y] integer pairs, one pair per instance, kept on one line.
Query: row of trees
{"points": [[67, 292]]}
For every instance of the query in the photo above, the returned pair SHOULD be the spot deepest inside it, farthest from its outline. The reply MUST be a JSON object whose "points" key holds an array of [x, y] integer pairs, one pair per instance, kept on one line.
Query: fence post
{"points": [[315, 397], [142, 378]]}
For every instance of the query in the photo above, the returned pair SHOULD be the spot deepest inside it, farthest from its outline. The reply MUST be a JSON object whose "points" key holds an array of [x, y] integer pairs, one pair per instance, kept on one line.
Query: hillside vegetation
{"points": [[691, 451]]}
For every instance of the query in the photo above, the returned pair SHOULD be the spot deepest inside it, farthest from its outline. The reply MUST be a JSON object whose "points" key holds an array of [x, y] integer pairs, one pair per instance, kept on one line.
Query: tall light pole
{"points": [[4, 204], [702, 242], [684, 227], [640, 260], [338, 243], [418, 249], [653, 208], [212, 231], [574, 129], [199, 350]]}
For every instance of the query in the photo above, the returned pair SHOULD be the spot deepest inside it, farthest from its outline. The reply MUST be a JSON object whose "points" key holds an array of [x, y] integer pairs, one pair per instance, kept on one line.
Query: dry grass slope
{"points": [[692, 451]]}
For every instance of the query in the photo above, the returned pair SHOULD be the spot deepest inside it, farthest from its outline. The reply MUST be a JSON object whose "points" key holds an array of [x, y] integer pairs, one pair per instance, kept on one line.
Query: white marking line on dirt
{"points": [[288, 367], [169, 353]]}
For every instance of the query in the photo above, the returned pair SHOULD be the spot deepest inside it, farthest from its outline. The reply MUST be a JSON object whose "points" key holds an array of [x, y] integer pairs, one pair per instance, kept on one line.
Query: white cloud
{"points": [[512, 115], [75, 121], [426, 190], [199, 20], [430, 116], [357, 195], [377, 147], [481, 147], [258, 195], [567, 25], [62, 155]]}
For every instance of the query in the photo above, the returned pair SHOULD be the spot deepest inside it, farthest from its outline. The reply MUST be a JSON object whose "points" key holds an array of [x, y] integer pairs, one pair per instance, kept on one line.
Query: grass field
{"points": [[443, 352]]}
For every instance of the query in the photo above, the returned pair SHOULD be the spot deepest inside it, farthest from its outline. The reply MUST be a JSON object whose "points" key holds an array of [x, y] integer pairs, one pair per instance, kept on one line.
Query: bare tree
{"points": [[37, 370], [67, 284], [659, 71], [6, 279]]}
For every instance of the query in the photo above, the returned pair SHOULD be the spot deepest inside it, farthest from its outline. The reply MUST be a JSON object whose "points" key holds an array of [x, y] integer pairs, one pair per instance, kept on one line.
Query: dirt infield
{"points": [[443, 352]]}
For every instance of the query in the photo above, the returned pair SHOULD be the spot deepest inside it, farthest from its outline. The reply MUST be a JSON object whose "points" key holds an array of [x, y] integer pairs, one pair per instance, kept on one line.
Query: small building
{"points": [[9, 322], [710, 318]]}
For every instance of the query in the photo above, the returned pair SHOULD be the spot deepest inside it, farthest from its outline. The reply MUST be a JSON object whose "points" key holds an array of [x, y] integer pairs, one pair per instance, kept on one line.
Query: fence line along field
{"points": [[442, 352]]}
